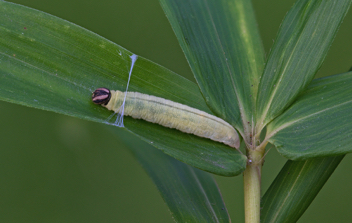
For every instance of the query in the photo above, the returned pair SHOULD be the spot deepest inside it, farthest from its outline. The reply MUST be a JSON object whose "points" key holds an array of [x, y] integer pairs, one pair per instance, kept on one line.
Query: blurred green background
{"points": [[55, 168]]}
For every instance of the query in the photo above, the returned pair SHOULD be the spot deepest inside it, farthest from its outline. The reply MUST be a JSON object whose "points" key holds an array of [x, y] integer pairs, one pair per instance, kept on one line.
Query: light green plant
{"points": [[52, 64]]}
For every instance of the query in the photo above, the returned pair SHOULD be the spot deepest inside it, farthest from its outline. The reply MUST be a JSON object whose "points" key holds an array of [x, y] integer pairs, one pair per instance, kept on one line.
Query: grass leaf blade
{"points": [[301, 45], [319, 123], [295, 188], [191, 194], [222, 45], [52, 64]]}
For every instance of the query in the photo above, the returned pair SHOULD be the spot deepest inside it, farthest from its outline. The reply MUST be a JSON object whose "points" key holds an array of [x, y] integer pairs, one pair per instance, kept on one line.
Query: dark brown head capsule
{"points": [[101, 96]]}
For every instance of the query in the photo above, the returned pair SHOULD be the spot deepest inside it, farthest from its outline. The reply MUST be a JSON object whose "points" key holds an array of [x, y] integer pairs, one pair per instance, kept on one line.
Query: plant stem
{"points": [[252, 185]]}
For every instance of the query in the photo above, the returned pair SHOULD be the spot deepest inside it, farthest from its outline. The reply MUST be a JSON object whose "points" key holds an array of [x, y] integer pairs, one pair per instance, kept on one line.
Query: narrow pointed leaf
{"points": [[300, 47], [52, 64], [319, 123], [223, 48], [294, 189], [191, 194]]}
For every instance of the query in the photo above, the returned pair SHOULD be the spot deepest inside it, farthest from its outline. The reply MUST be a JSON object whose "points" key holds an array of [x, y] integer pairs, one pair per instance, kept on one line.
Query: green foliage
{"points": [[318, 123], [300, 47], [191, 194], [295, 188], [223, 47], [52, 64]]}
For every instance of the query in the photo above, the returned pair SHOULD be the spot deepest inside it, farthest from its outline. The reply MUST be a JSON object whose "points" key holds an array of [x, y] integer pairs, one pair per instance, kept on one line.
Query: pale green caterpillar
{"points": [[167, 113]]}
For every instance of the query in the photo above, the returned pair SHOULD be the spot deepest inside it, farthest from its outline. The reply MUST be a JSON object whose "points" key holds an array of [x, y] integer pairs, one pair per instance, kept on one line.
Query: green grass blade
{"points": [[52, 64], [300, 47], [223, 48], [191, 194], [295, 188], [319, 123]]}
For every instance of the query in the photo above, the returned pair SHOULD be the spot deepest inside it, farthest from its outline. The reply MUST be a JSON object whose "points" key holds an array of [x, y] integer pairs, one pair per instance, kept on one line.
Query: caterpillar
{"points": [[168, 114]]}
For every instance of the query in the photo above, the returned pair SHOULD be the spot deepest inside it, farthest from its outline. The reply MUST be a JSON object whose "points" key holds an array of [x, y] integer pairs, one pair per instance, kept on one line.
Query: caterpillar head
{"points": [[101, 96]]}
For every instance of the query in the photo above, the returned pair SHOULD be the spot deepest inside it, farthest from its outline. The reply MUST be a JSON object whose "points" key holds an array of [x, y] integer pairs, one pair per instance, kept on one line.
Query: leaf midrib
{"points": [[301, 119]]}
